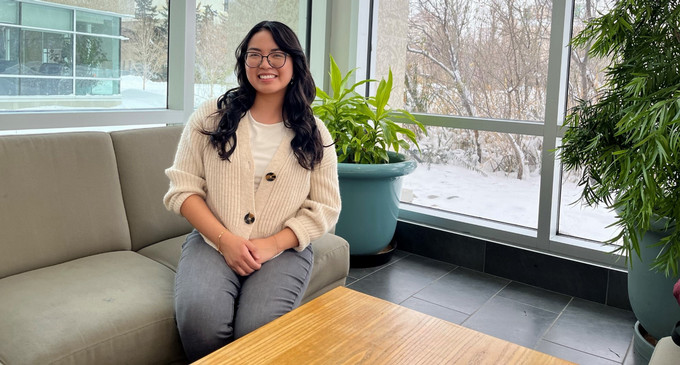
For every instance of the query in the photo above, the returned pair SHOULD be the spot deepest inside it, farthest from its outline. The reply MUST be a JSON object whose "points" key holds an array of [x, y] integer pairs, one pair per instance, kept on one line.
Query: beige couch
{"points": [[88, 252]]}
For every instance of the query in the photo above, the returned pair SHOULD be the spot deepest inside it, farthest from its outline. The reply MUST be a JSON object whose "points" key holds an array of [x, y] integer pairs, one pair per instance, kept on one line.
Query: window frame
{"points": [[180, 94]]}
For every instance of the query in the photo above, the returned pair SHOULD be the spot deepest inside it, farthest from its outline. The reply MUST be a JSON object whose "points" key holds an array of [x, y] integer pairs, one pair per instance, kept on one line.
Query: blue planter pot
{"points": [[370, 203], [651, 293]]}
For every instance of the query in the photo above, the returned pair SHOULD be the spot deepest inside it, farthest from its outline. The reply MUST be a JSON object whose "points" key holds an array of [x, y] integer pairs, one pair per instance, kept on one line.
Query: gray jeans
{"points": [[214, 305]]}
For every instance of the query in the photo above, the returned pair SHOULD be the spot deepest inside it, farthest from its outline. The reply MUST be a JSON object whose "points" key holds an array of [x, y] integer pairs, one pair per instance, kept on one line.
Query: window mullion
{"points": [[181, 56], [482, 124], [556, 94], [319, 41]]}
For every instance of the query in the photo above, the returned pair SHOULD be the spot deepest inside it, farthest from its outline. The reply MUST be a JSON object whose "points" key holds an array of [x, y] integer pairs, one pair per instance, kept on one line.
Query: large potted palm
{"points": [[626, 144], [368, 139]]}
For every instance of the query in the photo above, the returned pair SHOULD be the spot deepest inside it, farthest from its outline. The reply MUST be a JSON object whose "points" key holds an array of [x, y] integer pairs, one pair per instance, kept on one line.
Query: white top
{"points": [[264, 141]]}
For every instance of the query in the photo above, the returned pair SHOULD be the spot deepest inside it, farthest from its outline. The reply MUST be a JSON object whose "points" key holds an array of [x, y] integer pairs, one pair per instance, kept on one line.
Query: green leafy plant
{"points": [[363, 128], [627, 142]]}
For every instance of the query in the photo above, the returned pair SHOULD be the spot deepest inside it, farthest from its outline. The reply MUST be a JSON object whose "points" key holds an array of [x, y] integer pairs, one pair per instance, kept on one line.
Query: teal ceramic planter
{"points": [[370, 203], [651, 293]]}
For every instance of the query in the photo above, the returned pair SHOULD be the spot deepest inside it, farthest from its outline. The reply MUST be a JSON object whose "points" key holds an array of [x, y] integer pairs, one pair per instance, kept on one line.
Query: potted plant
{"points": [[626, 143], [367, 140]]}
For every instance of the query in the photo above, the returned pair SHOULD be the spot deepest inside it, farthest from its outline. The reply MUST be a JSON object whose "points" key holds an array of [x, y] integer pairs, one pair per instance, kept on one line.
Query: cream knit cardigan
{"points": [[308, 202]]}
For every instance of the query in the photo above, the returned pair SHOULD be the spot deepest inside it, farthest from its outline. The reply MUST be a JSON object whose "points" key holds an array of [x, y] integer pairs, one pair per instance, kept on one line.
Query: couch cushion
{"points": [[91, 310], [60, 199], [143, 155]]}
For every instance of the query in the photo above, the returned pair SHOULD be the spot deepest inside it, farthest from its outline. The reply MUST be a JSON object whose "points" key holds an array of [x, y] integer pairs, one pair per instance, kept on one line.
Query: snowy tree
{"points": [[487, 61], [148, 42], [437, 33], [586, 74], [214, 60]]}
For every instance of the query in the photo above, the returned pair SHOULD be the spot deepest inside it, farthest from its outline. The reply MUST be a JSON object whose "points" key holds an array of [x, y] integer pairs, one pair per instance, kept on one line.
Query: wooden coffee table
{"points": [[344, 326]]}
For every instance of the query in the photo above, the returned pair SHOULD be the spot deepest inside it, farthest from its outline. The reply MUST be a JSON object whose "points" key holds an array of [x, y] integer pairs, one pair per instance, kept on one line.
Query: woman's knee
{"points": [[202, 328]]}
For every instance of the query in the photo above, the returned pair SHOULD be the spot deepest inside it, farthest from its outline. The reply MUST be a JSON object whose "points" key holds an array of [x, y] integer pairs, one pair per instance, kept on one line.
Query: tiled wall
{"points": [[594, 283]]}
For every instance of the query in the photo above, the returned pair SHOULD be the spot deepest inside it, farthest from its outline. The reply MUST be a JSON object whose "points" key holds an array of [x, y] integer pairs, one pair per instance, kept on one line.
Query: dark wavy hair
{"points": [[297, 111]]}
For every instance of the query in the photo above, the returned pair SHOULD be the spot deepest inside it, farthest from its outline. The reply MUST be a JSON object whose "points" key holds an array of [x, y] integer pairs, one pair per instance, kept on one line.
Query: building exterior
{"points": [[58, 54]]}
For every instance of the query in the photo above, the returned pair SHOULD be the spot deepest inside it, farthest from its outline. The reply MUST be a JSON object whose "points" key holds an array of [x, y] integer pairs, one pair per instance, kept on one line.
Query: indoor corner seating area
{"points": [[93, 282], [503, 199]]}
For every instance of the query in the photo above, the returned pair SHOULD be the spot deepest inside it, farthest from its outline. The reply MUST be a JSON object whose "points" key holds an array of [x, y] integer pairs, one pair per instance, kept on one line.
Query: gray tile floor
{"points": [[574, 329]]}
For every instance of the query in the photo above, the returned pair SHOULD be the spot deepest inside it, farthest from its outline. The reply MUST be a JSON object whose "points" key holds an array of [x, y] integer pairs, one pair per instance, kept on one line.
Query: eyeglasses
{"points": [[275, 59]]}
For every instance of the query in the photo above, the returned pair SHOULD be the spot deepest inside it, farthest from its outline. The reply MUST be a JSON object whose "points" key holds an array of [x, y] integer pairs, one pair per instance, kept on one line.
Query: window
{"points": [[489, 62], [62, 56], [34, 15], [9, 12], [124, 62], [220, 29], [492, 81], [97, 23]]}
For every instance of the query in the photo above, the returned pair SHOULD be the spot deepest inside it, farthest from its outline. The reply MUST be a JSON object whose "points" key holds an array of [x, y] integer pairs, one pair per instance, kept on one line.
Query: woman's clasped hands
{"points": [[246, 256]]}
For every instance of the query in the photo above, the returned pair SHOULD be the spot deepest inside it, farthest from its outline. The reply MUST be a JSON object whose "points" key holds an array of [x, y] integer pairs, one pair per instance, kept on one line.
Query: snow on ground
{"points": [[154, 94], [501, 198]]}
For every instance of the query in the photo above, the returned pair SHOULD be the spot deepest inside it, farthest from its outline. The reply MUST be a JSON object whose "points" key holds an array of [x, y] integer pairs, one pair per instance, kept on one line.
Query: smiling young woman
{"points": [[253, 176]]}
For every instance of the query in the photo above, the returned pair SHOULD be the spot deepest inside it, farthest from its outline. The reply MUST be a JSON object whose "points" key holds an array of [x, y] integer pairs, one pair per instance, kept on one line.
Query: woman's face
{"points": [[265, 78]]}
